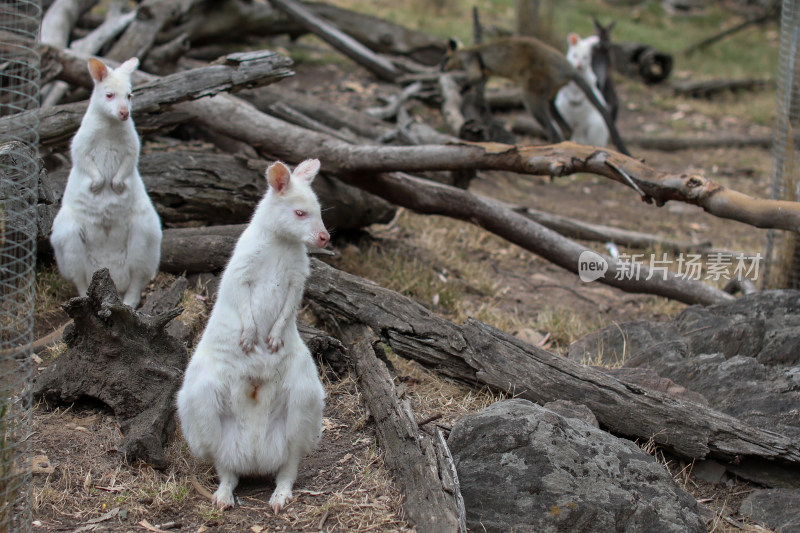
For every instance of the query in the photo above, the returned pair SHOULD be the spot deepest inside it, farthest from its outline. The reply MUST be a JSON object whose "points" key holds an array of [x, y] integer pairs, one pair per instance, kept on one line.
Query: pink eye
{"points": [[109, 96], [299, 213]]}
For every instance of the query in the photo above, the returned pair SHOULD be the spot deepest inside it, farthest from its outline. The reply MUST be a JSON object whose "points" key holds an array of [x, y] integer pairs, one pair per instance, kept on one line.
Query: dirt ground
{"points": [[82, 484]]}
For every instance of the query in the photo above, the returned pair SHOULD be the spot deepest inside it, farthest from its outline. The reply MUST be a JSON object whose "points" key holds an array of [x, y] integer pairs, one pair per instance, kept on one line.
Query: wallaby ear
{"points": [[573, 38], [97, 69], [453, 44], [129, 66], [278, 177], [307, 170]]}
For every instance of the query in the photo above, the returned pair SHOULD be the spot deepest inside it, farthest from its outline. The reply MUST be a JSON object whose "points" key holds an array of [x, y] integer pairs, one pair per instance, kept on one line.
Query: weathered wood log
{"points": [[225, 21], [410, 454], [482, 355], [213, 188], [163, 59], [709, 88], [60, 18], [124, 359], [151, 17], [235, 71], [332, 115], [115, 22], [641, 61], [382, 36], [585, 231], [451, 102], [359, 53]]}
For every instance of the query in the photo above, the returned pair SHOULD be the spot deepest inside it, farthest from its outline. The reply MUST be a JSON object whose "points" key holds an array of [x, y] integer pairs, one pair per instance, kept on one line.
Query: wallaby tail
{"points": [[612, 129]]}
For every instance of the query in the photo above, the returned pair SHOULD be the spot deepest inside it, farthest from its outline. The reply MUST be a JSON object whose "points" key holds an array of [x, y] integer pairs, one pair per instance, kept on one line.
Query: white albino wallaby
{"points": [[106, 217], [251, 399], [588, 126]]}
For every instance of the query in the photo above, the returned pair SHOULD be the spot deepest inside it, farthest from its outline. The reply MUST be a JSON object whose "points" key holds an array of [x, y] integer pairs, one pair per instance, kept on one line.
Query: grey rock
{"points": [[777, 509], [569, 409], [524, 468], [741, 356]]}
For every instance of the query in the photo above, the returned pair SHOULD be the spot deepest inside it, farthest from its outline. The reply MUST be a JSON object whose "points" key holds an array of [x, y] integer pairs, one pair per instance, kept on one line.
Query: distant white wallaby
{"points": [[251, 400], [588, 126], [106, 217]]}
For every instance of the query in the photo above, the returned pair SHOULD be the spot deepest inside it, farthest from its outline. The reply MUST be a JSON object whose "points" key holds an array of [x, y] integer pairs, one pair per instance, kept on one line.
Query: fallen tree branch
{"points": [[235, 71], [482, 355], [356, 51], [191, 186], [410, 454], [585, 231]]}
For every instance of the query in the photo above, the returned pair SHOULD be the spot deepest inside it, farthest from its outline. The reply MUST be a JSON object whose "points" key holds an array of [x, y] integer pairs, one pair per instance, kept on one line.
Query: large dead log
{"points": [[213, 188], [482, 355], [410, 454], [124, 359], [359, 53], [232, 72]]}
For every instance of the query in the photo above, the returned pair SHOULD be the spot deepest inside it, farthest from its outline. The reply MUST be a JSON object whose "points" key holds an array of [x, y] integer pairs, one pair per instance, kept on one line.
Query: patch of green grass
{"points": [[210, 514]]}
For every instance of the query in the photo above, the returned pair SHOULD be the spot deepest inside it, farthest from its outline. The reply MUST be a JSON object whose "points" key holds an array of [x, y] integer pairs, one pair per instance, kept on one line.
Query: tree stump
{"points": [[126, 360]]}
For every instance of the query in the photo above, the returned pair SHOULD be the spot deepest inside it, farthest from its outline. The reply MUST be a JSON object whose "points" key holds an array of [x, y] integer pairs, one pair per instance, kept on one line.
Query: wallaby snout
{"points": [[323, 238], [124, 113]]}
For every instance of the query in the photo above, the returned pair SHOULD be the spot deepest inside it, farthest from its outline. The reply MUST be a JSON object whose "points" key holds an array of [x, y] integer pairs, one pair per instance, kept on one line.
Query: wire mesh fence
{"points": [[19, 167], [782, 268]]}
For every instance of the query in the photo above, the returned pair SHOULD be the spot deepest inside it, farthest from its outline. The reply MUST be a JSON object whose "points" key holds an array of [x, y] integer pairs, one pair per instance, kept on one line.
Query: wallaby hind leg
{"points": [[284, 480], [539, 109], [565, 129], [223, 497]]}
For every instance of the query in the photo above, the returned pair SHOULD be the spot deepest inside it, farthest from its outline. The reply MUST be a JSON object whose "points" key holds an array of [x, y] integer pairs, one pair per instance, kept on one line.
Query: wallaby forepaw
{"points": [[118, 186], [223, 499], [274, 343], [96, 186], [279, 499], [247, 340]]}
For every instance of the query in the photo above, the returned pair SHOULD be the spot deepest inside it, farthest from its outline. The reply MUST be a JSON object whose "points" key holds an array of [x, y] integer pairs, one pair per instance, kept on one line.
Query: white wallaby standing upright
{"points": [[251, 400], [588, 126], [106, 217]]}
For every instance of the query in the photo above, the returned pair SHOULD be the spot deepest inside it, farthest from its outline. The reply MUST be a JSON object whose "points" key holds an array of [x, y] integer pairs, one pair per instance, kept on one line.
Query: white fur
{"points": [[106, 217], [251, 399], [588, 126]]}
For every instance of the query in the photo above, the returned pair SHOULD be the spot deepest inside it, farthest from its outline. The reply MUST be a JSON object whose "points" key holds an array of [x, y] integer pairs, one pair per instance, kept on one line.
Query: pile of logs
{"points": [[194, 87]]}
